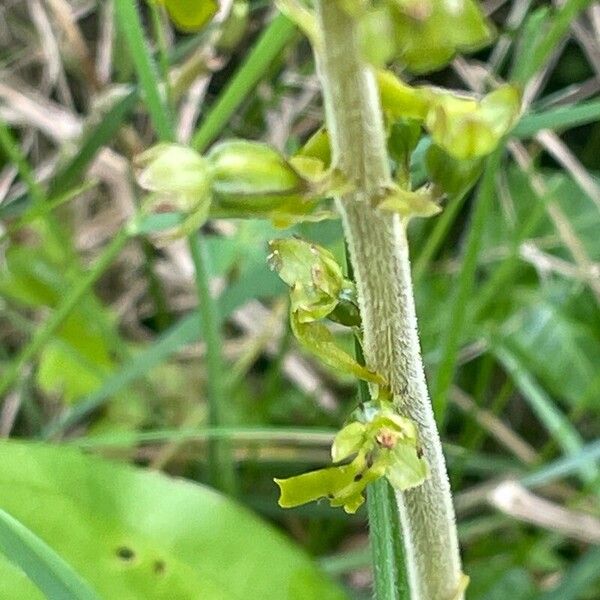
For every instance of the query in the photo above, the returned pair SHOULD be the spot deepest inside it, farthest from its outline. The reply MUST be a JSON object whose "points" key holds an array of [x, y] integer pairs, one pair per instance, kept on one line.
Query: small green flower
{"points": [[318, 290], [466, 128], [384, 446], [314, 277]]}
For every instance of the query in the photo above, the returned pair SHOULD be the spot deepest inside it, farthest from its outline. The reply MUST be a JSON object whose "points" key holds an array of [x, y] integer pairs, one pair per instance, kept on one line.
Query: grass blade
{"points": [[560, 118], [270, 44], [221, 467], [558, 425], [563, 467], [50, 573], [45, 333], [128, 18]]}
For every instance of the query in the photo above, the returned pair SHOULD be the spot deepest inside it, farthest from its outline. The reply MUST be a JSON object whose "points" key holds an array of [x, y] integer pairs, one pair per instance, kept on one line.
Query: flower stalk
{"points": [[379, 254]]}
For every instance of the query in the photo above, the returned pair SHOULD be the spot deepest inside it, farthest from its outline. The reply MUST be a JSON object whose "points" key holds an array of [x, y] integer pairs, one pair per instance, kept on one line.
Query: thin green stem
{"points": [[221, 469], [128, 18], [220, 465], [379, 254], [387, 556], [269, 46]]}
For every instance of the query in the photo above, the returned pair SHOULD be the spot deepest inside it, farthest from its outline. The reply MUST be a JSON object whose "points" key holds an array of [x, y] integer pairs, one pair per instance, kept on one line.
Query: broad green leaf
{"points": [[51, 574], [64, 372], [133, 534], [190, 15], [563, 352], [79, 357]]}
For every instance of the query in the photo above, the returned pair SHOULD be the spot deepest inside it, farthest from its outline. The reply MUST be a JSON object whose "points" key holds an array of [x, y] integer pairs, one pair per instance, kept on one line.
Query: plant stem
{"points": [[221, 471], [387, 555], [379, 254]]}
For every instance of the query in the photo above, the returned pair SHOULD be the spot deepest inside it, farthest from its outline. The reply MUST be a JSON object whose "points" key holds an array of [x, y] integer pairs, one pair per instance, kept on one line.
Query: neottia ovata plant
{"points": [[357, 167]]}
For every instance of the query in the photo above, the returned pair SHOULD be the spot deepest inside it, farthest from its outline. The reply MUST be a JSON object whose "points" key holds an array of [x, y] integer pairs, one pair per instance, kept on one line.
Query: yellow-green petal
{"points": [[348, 441]]}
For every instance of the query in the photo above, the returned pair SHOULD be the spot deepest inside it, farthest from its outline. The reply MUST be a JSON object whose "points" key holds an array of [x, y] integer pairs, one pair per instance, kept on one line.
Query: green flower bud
{"points": [[247, 168], [179, 176]]}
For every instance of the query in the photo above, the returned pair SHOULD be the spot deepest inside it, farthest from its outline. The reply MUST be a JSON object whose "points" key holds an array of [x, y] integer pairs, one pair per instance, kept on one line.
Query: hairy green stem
{"points": [[379, 254]]}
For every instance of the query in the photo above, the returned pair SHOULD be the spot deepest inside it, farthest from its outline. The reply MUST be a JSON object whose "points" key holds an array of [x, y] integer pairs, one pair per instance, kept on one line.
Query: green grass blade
{"points": [[186, 331], [92, 142], [556, 423], [385, 537], [128, 18], [464, 287], [434, 240], [560, 118], [12, 150], [548, 40], [50, 573], [270, 44], [588, 456], [221, 467], [300, 436]]}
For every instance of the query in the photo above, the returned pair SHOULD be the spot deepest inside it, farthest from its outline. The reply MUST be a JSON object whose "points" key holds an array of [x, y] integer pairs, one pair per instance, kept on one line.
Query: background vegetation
{"points": [[104, 344]]}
